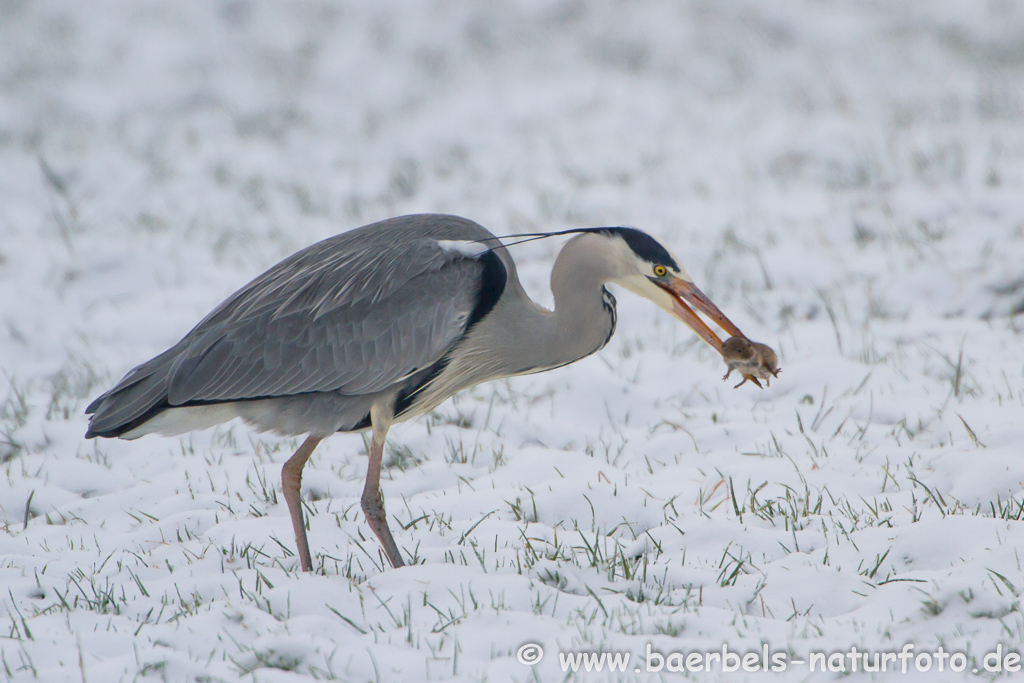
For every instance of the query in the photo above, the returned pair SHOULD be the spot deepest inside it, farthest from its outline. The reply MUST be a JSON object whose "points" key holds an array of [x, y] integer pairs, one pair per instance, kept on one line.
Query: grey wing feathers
{"points": [[136, 393], [353, 314], [355, 349]]}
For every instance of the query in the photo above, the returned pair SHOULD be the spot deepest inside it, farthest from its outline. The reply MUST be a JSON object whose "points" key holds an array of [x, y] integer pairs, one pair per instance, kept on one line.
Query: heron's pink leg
{"points": [[291, 480], [373, 502]]}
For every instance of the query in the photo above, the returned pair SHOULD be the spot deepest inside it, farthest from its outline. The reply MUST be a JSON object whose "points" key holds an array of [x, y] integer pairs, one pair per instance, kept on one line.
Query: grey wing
{"points": [[353, 314], [302, 343]]}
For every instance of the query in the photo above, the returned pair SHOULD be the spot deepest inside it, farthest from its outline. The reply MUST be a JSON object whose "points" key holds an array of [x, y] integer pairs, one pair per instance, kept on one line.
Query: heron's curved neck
{"points": [[584, 316]]}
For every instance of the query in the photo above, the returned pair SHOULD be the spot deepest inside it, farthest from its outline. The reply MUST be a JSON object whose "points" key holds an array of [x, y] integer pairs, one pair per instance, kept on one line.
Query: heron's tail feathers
{"points": [[140, 396]]}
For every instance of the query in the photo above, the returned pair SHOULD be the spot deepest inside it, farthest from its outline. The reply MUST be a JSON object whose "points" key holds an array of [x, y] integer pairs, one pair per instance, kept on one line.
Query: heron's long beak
{"points": [[684, 292]]}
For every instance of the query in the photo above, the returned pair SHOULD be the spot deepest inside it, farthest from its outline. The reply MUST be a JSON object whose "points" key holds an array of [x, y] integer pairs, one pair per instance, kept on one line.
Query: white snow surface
{"points": [[844, 179]]}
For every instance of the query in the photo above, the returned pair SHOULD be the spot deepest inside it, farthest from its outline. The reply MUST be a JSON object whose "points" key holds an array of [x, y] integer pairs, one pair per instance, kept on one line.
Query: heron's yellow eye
{"points": [[660, 271]]}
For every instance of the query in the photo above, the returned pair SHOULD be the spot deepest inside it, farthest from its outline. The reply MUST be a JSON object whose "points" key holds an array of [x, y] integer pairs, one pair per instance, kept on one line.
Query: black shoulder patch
{"points": [[407, 396], [492, 286], [643, 245]]}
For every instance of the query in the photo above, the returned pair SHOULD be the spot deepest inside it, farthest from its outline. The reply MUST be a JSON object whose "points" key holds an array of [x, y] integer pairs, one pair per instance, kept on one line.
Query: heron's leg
{"points": [[291, 480], [373, 502]]}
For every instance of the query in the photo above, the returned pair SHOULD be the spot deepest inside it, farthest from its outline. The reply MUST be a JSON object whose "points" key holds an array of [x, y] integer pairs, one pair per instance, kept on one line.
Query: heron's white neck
{"points": [[532, 339]]}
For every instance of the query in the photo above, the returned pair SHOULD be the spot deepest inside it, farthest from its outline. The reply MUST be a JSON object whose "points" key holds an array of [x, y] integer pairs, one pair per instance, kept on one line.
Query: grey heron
{"points": [[381, 324]]}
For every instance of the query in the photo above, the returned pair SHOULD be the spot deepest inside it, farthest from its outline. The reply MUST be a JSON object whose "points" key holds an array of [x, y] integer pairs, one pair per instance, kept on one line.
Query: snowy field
{"points": [[845, 179]]}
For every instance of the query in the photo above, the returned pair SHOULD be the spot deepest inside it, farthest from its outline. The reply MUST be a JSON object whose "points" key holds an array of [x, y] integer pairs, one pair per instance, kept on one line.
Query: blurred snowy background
{"points": [[845, 179]]}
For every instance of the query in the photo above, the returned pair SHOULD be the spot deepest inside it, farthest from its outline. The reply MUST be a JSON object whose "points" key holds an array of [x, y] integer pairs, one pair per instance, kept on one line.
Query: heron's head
{"points": [[645, 266]]}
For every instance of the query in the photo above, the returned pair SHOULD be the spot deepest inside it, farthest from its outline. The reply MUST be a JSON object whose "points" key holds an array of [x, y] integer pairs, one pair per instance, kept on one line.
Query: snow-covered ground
{"points": [[845, 179]]}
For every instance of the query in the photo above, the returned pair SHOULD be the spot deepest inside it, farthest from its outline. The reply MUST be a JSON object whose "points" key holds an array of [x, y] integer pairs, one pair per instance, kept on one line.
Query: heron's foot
{"points": [[753, 360], [376, 519]]}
